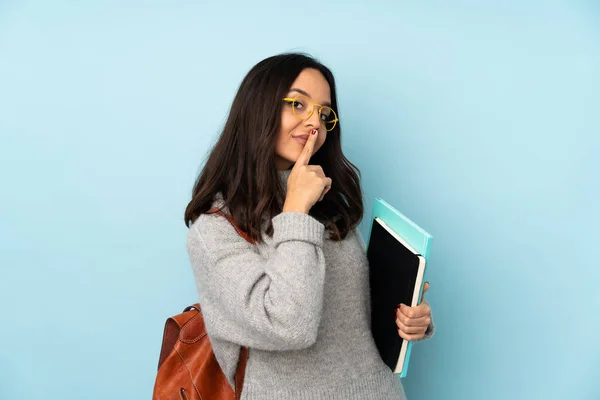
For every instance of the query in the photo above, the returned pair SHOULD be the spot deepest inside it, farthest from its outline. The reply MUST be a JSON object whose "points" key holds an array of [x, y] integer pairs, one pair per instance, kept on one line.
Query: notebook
{"points": [[397, 251]]}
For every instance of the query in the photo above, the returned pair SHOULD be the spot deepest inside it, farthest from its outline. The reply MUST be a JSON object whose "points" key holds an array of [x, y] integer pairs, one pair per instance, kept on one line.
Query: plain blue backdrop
{"points": [[479, 120]]}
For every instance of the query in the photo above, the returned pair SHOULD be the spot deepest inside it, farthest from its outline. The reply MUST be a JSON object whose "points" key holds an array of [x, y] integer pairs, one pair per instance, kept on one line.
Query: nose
{"points": [[314, 120]]}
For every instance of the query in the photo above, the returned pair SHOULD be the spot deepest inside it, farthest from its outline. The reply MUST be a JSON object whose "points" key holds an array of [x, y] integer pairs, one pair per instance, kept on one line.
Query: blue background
{"points": [[479, 121]]}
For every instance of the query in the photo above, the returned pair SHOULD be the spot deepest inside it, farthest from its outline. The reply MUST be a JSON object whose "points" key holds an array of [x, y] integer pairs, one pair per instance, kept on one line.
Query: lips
{"points": [[302, 139]]}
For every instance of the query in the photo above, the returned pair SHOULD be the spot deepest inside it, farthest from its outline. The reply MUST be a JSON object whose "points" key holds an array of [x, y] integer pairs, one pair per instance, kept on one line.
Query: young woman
{"points": [[299, 297]]}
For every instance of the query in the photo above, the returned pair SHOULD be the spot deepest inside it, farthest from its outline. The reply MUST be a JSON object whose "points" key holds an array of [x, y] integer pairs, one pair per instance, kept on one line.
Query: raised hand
{"points": [[306, 184]]}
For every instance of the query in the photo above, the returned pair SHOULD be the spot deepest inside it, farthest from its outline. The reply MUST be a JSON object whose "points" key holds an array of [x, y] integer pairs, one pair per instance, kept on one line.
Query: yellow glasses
{"points": [[303, 108]]}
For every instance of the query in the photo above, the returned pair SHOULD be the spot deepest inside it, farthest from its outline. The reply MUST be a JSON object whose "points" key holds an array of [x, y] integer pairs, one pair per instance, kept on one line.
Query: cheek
{"points": [[285, 130], [288, 123]]}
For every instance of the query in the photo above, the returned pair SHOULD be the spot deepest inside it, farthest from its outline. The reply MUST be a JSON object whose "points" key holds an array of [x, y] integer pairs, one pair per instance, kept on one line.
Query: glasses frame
{"points": [[321, 122]]}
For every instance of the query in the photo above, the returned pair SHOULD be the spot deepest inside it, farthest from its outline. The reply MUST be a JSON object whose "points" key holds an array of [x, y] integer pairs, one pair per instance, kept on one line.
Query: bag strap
{"points": [[243, 234], [241, 368], [240, 372]]}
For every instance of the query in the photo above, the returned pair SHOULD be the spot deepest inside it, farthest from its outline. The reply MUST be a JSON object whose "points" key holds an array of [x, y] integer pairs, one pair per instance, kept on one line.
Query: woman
{"points": [[299, 297]]}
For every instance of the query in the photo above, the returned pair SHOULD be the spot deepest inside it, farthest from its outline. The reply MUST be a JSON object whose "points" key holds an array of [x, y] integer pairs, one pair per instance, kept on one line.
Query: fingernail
{"points": [[314, 131]]}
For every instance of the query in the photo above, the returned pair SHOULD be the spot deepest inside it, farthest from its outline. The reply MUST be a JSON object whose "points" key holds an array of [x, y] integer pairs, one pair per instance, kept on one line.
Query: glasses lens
{"points": [[303, 107], [328, 118]]}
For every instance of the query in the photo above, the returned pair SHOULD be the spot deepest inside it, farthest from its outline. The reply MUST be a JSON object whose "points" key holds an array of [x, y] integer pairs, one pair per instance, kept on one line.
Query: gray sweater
{"points": [[299, 302]]}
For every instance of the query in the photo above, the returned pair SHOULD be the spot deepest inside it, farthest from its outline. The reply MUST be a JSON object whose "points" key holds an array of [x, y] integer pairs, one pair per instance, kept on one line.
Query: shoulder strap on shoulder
{"points": [[230, 219]]}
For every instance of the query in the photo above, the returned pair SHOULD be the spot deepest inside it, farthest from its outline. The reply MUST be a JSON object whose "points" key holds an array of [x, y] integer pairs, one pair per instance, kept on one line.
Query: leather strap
{"points": [[230, 219], [240, 372]]}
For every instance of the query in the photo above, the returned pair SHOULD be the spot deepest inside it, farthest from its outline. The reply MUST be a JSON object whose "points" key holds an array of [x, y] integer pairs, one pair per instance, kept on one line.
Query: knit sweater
{"points": [[299, 301]]}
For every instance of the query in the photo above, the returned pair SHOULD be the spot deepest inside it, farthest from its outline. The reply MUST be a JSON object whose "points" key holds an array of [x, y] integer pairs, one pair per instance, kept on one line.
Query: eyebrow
{"points": [[306, 94]]}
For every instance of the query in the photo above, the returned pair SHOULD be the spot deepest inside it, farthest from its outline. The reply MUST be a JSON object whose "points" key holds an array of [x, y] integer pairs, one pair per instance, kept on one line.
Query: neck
{"points": [[281, 163], [284, 174]]}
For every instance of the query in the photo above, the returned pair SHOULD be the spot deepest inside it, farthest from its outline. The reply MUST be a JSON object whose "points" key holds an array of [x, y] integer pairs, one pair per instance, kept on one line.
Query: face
{"points": [[293, 132]]}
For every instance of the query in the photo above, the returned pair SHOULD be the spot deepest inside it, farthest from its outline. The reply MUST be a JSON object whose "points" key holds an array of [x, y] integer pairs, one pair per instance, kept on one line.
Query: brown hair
{"points": [[241, 165]]}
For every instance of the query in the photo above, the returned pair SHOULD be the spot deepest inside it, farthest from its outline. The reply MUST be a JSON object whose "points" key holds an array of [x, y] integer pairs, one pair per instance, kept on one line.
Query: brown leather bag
{"points": [[187, 367]]}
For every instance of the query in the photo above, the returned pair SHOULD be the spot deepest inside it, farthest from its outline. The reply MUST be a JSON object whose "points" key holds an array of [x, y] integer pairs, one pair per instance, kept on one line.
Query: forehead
{"points": [[314, 83]]}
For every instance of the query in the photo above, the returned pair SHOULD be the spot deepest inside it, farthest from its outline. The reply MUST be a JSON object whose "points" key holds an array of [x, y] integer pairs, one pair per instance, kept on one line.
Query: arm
{"points": [[273, 304]]}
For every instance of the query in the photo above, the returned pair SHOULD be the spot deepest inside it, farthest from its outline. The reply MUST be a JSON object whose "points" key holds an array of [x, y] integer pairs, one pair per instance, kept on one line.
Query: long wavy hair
{"points": [[241, 165]]}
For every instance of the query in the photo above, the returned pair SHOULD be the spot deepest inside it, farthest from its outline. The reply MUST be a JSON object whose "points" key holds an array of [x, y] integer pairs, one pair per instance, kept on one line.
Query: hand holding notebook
{"points": [[413, 322]]}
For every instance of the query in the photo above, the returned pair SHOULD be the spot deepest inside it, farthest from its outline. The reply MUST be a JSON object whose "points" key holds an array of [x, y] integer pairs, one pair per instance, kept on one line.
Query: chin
{"points": [[293, 156], [285, 161]]}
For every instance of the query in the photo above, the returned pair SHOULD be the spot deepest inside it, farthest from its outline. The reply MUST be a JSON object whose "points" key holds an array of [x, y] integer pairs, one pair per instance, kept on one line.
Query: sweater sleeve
{"points": [[273, 304], [430, 329]]}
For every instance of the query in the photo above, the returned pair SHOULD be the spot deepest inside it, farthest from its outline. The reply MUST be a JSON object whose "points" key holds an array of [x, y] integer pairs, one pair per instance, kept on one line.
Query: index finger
{"points": [[306, 154]]}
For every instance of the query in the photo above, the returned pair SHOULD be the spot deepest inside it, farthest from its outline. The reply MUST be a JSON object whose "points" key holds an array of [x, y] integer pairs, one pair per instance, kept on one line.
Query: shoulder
{"points": [[352, 245], [359, 238], [213, 234]]}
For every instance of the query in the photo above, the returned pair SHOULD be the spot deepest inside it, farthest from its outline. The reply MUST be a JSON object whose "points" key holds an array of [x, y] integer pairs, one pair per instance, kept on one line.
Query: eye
{"points": [[326, 114], [298, 105]]}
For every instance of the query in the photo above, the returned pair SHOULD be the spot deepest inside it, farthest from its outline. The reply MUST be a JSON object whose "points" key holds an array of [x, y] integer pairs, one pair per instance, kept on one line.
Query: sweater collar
{"points": [[283, 177]]}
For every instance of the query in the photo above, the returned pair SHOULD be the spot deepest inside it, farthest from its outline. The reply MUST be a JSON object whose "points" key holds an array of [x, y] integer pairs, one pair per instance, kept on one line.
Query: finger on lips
{"points": [[308, 149]]}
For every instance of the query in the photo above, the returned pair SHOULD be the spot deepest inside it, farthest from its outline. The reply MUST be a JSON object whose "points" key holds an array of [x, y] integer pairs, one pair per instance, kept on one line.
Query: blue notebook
{"points": [[397, 250]]}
